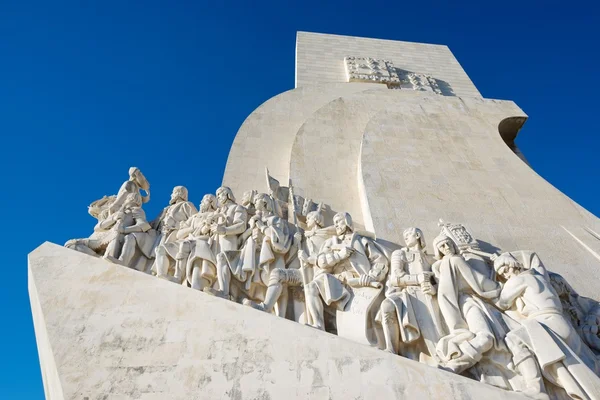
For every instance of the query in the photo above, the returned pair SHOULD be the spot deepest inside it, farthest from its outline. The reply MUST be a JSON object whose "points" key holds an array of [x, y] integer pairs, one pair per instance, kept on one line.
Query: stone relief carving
{"points": [[502, 319], [372, 70]]}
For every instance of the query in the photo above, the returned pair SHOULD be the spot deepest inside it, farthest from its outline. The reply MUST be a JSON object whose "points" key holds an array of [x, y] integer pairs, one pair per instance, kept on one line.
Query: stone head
{"points": [[507, 266], [444, 246], [414, 237], [343, 223], [180, 193], [263, 202], [208, 203], [225, 195], [314, 219], [136, 176]]}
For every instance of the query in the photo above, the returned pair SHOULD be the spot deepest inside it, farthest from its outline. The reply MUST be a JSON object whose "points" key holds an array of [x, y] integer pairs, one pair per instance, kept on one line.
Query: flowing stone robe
{"points": [[201, 246], [564, 359], [311, 245], [259, 259], [418, 313], [476, 329], [455, 277], [333, 273], [180, 212], [230, 246], [167, 240], [144, 240]]}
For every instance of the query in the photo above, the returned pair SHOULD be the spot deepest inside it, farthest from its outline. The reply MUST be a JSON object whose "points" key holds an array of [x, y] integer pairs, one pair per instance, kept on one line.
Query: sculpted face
{"points": [[411, 237], [261, 202], [177, 194], [507, 271], [207, 203], [340, 224], [311, 221], [446, 248], [222, 196]]}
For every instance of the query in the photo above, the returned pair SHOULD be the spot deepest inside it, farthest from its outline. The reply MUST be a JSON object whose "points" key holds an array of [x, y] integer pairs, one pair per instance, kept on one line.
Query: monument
{"points": [[389, 241]]}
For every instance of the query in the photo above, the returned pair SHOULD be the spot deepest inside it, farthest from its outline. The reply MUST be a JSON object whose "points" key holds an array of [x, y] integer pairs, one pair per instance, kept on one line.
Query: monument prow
{"points": [[106, 330]]}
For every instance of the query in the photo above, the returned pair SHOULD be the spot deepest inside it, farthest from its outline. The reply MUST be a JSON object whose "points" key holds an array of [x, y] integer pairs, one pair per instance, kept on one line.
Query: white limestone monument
{"points": [[378, 235]]}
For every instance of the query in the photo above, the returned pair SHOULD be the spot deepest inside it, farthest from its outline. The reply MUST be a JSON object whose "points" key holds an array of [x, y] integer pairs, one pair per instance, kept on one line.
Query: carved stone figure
{"points": [[281, 278], [96, 244], [133, 233], [473, 330], [266, 250], [582, 312], [136, 182], [590, 329], [197, 240], [231, 224], [530, 333], [411, 319], [168, 224], [345, 258], [564, 359], [102, 210]]}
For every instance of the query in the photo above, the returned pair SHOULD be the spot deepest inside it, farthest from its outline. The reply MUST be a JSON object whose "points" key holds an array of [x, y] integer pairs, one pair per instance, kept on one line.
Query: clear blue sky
{"points": [[88, 89]]}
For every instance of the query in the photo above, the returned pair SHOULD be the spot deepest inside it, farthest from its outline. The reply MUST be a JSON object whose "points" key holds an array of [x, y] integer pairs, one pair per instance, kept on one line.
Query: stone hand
{"points": [[428, 288], [346, 252], [219, 229], [297, 238], [365, 280], [424, 277], [302, 255]]}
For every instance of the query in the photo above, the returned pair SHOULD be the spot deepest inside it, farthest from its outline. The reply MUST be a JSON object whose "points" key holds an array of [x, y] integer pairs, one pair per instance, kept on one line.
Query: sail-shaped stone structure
{"points": [[377, 136]]}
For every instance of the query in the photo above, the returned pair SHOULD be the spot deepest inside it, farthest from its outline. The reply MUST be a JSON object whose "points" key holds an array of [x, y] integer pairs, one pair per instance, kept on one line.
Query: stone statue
{"points": [[582, 312], [168, 224], [136, 182], [281, 278], [197, 240], [104, 208], [270, 243], [133, 233], [96, 244], [564, 359], [460, 290], [411, 319], [231, 224], [530, 332], [345, 258]]}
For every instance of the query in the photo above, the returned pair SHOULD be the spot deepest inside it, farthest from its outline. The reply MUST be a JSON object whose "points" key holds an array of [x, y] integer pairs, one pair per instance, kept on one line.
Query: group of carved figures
{"points": [[500, 318]]}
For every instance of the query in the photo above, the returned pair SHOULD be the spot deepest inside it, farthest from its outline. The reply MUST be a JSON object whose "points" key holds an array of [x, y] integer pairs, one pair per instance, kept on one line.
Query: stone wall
{"points": [[320, 59]]}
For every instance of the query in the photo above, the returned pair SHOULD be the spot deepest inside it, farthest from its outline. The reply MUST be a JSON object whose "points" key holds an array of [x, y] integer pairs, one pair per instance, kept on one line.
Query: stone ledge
{"points": [[107, 332]]}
